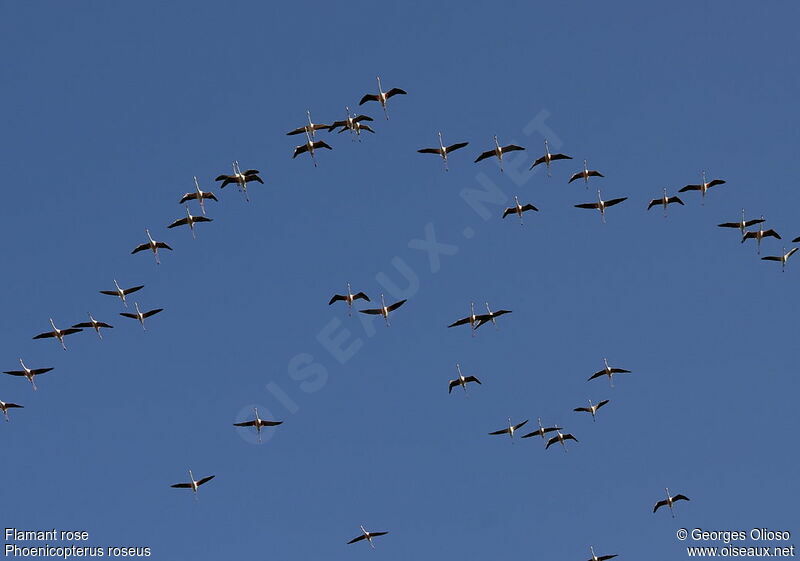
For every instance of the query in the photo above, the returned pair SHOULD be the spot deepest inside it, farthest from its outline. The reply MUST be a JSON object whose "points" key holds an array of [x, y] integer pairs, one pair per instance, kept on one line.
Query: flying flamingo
{"points": [[240, 178], [309, 147], [4, 407], [190, 221], [664, 201], [258, 422], [198, 195], [518, 209], [742, 224], [382, 97], [443, 150], [58, 333], [548, 158], [702, 187], [384, 310], [601, 205], [600, 558], [310, 128], [759, 235], [498, 152], [585, 174], [490, 316], [669, 501], [461, 380], [560, 437], [541, 431], [471, 319], [94, 324], [510, 430], [367, 536], [349, 298], [592, 408], [141, 316], [28, 373], [193, 485], [152, 245], [782, 258], [608, 371], [121, 293], [351, 123]]}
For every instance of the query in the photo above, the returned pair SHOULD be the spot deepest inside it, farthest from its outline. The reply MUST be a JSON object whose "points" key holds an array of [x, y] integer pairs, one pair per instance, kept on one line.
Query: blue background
{"points": [[109, 109]]}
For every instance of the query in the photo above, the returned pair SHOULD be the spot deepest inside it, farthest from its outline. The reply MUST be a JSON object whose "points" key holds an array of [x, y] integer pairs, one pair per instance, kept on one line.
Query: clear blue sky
{"points": [[109, 109]]}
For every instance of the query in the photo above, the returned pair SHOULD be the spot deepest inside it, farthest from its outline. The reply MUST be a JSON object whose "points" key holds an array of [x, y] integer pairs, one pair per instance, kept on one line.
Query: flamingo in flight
{"points": [[190, 221], [193, 485], [703, 186], [601, 205], [608, 371], [349, 298], [548, 158], [560, 437], [601, 557], [384, 310], [743, 224], [310, 128], [490, 316], [258, 422], [510, 429], [309, 147], [759, 235], [461, 380], [593, 407], [367, 536], [382, 97], [28, 373], [199, 196], [152, 245], [94, 324], [518, 209], [541, 431], [664, 201], [585, 174], [58, 333], [352, 123], [471, 319], [4, 407], [240, 178], [498, 152], [782, 258], [669, 501], [443, 150], [141, 316], [120, 292]]}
